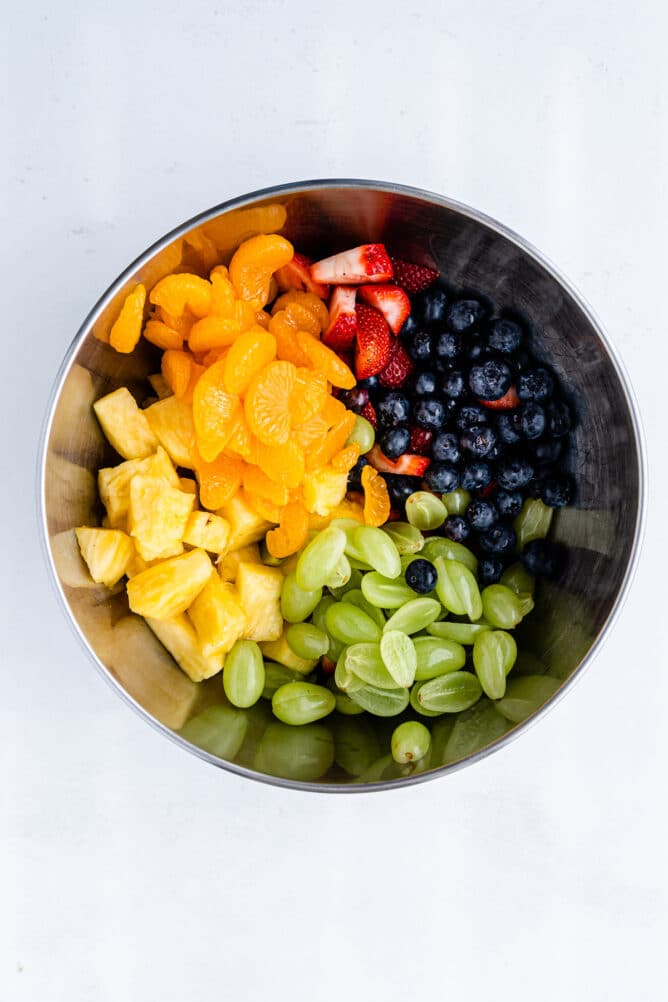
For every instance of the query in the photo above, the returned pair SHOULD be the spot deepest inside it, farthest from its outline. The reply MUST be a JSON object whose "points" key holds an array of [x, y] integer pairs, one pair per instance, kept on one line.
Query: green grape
{"points": [[299, 703], [461, 633], [335, 648], [385, 593], [533, 522], [356, 597], [275, 676], [414, 615], [349, 624], [410, 741], [501, 606], [364, 662], [437, 657], [438, 546], [517, 578], [219, 730], [473, 730], [340, 576], [377, 549], [345, 705], [243, 675], [457, 501], [303, 754], [525, 695], [406, 560], [494, 655], [353, 582], [307, 641], [457, 588], [450, 693], [363, 434], [356, 744], [425, 511], [399, 657], [405, 537], [527, 604], [319, 558], [344, 679], [381, 702], [296, 603], [417, 705]]}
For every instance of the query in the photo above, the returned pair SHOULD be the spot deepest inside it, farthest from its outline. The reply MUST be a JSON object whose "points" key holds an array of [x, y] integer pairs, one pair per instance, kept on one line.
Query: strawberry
{"points": [[369, 412], [392, 302], [408, 465], [342, 328], [399, 367], [374, 341], [296, 274], [412, 277], [327, 665], [421, 441], [507, 402], [395, 515], [367, 263]]}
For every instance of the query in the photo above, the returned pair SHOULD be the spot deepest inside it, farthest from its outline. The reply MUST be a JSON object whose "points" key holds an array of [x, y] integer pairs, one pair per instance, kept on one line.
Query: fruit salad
{"points": [[339, 493]]}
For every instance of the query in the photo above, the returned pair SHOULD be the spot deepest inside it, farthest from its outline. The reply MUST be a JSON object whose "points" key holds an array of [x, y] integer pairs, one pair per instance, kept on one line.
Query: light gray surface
{"points": [[131, 871]]}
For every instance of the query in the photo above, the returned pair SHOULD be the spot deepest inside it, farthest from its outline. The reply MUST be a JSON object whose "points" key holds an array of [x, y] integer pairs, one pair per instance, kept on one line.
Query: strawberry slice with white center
{"points": [[408, 465], [296, 274], [392, 302], [342, 327], [366, 263]]}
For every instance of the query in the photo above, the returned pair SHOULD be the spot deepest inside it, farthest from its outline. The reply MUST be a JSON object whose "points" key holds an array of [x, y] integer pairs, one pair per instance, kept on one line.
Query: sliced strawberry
{"points": [[369, 412], [296, 274], [342, 327], [374, 341], [327, 665], [392, 302], [367, 263], [408, 465], [398, 369], [507, 402], [421, 439], [412, 277]]}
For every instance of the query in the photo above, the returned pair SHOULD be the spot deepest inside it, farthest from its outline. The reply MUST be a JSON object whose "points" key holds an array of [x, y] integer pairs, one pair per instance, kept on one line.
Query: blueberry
{"points": [[395, 441], [420, 346], [442, 478], [514, 472], [490, 570], [445, 448], [356, 398], [532, 419], [449, 346], [470, 415], [476, 348], [557, 491], [421, 576], [509, 427], [548, 451], [454, 385], [392, 409], [450, 406], [400, 487], [409, 327], [491, 379], [481, 514], [476, 476], [496, 452], [509, 503], [431, 304], [464, 315], [479, 439], [535, 384], [505, 336], [499, 540], [456, 528], [370, 384], [423, 384], [429, 413], [558, 418], [542, 557], [355, 474], [520, 360]]}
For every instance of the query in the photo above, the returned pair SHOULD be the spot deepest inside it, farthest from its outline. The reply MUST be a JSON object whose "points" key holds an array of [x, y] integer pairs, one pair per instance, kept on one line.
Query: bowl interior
{"points": [[600, 530]]}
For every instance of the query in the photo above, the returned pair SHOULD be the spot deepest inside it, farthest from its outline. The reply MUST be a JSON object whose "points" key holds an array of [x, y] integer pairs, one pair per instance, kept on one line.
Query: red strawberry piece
{"points": [[367, 263], [398, 369], [395, 515], [485, 492], [342, 328], [374, 341], [408, 465], [392, 302], [369, 412], [421, 441], [328, 666], [296, 274], [507, 402], [412, 277]]}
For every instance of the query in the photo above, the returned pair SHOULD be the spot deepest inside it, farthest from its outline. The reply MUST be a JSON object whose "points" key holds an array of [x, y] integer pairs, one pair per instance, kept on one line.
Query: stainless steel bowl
{"points": [[602, 531]]}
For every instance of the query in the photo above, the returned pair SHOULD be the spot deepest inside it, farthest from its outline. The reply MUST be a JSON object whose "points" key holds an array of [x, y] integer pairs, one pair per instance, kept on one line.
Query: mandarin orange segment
{"points": [[218, 481], [310, 432], [214, 411], [346, 459], [176, 370], [282, 463], [196, 370], [262, 319], [303, 319], [176, 292], [126, 331], [266, 509], [286, 340], [248, 356], [333, 411], [292, 531], [222, 293], [181, 324], [254, 262], [213, 332], [241, 440], [326, 361], [256, 482], [308, 300], [309, 395], [162, 336], [268, 403], [376, 497], [333, 442], [215, 355]]}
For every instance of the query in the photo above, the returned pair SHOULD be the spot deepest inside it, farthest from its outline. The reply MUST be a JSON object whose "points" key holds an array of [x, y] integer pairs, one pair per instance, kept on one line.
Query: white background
{"points": [[132, 871]]}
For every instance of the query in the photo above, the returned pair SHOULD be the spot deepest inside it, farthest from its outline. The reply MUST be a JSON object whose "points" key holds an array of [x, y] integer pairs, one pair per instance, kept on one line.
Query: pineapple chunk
{"points": [[68, 561], [178, 635], [217, 617], [113, 483], [107, 553], [125, 425], [172, 423], [259, 590], [162, 390], [157, 517], [324, 490], [347, 509], [229, 563], [168, 588], [209, 532], [188, 485], [279, 650], [245, 526]]}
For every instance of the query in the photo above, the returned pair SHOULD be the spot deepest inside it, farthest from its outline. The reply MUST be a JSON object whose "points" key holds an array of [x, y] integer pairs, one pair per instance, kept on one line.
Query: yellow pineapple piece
{"points": [[347, 509], [172, 423], [229, 563], [259, 591], [125, 425], [68, 561], [279, 650], [245, 525], [324, 490], [217, 616], [209, 532], [107, 553], [169, 587], [188, 485], [157, 517], [113, 483], [178, 635], [157, 381]]}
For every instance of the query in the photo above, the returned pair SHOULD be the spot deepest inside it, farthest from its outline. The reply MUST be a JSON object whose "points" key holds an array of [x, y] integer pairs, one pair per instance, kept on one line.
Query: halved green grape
{"points": [[417, 705], [410, 742], [457, 501], [527, 603], [437, 657], [364, 662], [340, 576], [501, 607], [525, 695], [363, 434], [474, 729], [381, 702], [307, 641], [494, 655], [275, 676], [414, 615], [344, 679], [377, 549], [399, 657], [299, 703], [406, 560], [533, 522], [385, 593], [517, 578], [345, 705], [425, 511], [354, 581], [356, 744], [438, 546], [450, 693], [320, 611], [297, 604], [457, 588], [405, 537], [336, 646], [319, 558], [243, 674], [300, 753], [220, 730], [461, 633], [356, 597], [349, 624]]}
